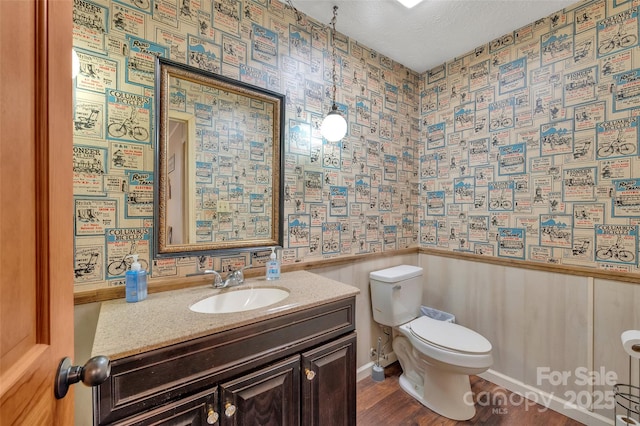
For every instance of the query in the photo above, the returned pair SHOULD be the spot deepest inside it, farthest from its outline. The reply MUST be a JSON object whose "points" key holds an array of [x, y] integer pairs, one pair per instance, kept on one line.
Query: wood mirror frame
{"points": [[231, 190]]}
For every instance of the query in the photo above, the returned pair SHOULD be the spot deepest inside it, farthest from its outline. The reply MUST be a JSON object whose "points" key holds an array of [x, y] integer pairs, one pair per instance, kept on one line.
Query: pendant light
{"points": [[334, 125]]}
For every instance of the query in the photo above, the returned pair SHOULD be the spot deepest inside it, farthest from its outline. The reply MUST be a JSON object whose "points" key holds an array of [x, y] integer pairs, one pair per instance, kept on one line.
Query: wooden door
{"points": [[329, 383], [267, 397], [36, 209]]}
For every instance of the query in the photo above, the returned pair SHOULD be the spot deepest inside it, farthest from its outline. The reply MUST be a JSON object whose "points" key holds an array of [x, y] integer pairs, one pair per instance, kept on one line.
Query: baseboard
{"points": [[365, 371], [546, 399]]}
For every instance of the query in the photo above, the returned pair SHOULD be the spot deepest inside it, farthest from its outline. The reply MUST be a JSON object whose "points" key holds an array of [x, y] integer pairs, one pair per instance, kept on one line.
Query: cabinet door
{"points": [[269, 396], [196, 410], [329, 383]]}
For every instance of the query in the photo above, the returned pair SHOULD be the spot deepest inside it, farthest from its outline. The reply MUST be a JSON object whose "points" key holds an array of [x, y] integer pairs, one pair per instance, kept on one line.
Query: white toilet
{"points": [[436, 356]]}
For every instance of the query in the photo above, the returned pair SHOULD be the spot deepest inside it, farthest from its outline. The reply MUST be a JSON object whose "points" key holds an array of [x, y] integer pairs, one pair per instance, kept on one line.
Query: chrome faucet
{"points": [[217, 278], [235, 277]]}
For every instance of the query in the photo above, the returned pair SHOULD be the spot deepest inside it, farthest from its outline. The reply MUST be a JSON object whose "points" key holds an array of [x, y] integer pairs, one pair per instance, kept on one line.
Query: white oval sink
{"points": [[239, 300]]}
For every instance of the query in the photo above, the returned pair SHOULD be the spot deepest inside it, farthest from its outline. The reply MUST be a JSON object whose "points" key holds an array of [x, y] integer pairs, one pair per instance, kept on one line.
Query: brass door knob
{"points": [[310, 374], [229, 409], [212, 416]]}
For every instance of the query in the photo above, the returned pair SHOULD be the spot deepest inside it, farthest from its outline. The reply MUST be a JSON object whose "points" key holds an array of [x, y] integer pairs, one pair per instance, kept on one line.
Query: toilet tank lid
{"points": [[396, 273]]}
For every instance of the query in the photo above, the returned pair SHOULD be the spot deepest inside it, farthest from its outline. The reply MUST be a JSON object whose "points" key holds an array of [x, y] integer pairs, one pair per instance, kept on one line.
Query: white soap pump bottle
{"points": [[135, 281], [273, 266]]}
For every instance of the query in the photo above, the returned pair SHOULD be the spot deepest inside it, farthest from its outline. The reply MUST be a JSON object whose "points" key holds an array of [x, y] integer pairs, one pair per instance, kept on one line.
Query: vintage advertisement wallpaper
{"points": [[525, 148], [357, 196], [529, 144]]}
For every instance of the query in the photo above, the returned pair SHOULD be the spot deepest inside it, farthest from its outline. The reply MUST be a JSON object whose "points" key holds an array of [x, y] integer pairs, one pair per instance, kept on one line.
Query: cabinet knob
{"points": [[310, 374], [229, 409], [212, 416]]}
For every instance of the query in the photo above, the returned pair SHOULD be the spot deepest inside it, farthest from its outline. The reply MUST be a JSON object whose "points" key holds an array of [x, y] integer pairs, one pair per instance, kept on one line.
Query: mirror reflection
{"points": [[219, 163]]}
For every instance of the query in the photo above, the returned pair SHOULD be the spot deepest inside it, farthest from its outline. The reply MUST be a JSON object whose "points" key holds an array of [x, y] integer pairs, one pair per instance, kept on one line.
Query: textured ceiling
{"points": [[432, 32]]}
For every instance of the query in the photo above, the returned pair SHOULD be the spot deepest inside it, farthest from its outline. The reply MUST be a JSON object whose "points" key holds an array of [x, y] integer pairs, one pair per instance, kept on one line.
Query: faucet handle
{"points": [[239, 275], [217, 278]]}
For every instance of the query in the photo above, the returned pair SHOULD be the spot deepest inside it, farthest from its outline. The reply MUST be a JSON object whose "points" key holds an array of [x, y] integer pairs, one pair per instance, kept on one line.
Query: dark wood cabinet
{"points": [[328, 380], [298, 368], [268, 397], [199, 409]]}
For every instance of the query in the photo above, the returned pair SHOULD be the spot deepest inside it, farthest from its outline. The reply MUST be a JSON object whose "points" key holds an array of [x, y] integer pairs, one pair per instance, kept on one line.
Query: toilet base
{"points": [[450, 397], [440, 389]]}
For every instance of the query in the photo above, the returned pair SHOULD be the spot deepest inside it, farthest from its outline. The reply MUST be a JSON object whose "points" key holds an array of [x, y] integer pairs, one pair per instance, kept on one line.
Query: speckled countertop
{"points": [[164, 318]]}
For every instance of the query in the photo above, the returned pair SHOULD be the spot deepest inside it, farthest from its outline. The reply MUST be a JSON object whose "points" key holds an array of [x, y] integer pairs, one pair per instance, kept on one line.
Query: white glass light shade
{"points": [[334, 126], [409, 3]]}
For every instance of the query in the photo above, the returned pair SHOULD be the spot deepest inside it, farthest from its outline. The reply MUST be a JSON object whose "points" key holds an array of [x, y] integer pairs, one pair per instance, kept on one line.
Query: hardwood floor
{"points": [[385, 403]]}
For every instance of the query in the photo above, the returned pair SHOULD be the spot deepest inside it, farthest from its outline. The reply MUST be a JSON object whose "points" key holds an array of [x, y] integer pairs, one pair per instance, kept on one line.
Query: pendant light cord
{"points": [[334, 125], [295, 11], [334, 107]]}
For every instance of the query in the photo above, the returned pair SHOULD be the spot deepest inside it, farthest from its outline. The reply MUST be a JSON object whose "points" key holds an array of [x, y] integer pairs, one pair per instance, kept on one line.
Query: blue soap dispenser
{"points": [[273, 266], [135, 281]]}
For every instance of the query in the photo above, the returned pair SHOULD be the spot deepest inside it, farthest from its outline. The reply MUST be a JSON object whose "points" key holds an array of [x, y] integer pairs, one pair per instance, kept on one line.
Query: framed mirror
{"points": [[218, 163]]}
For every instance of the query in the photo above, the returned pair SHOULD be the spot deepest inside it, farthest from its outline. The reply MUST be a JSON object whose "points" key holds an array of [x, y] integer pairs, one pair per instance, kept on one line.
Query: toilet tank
{"points": [[396, 294]]}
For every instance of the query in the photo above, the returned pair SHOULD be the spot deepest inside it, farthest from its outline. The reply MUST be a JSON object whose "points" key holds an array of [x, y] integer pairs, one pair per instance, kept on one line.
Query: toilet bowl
{"points": [[436, 357]]}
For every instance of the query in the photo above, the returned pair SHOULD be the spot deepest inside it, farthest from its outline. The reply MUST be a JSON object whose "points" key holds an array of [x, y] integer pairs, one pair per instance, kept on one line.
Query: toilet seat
{"points": [[449, 336]]}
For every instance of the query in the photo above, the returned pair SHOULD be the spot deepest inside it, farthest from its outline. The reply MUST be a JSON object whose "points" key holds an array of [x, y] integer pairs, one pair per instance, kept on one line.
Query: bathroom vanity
{"points": [[290, 363]]}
